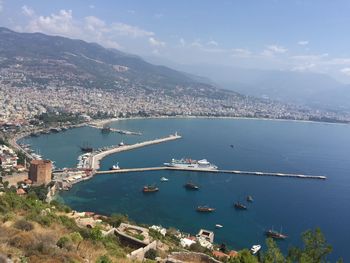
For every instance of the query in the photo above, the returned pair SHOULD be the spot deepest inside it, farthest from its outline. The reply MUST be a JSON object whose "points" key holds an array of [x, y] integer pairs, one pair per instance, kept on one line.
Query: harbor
{"points": [[287, 175], [95, 158]]}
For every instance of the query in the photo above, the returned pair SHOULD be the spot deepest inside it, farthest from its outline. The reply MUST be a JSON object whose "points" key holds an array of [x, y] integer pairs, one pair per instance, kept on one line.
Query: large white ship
{"points": [[191, 164]]}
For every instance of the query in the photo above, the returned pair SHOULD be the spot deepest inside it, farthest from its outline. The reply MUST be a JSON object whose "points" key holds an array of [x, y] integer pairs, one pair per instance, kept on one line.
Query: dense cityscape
{"points": [[26, 103]]}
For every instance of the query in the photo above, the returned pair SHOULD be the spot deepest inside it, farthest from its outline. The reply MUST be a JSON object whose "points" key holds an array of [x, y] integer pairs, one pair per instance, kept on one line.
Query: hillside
{"points": [[35, 59]]}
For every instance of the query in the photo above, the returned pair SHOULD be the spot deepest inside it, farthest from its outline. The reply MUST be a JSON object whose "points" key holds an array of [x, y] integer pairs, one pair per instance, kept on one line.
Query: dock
{"points": [[95, 158], [287, 175]]}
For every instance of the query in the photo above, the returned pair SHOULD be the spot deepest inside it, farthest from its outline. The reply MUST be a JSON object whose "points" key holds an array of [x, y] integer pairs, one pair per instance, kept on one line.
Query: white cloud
{"points": [[129, 30], [345, 71], [27, 11], [91, 6], [1, 5], [272, 50], [182, 42], [303, 42], [241, 52], [212, 43], [156, 43], [61, 24], [305, 67], [277, 49], [90, 28]]}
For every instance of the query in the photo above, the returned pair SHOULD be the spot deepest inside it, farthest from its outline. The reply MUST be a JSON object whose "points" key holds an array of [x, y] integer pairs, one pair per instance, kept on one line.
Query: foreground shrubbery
{"points": [[33, 231]]}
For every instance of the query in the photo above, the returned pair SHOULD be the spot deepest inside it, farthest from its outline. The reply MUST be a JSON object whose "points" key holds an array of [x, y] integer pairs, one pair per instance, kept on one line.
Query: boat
{"points": [[121, 143], [239, 205], [231, 146], [255, 249], [219, 226], [86, 148], [191, 164], [191, 186], [205, 209], [250, 199], [106, 129], [163, 179], [115, 167], [275, 234], [150, 189]]}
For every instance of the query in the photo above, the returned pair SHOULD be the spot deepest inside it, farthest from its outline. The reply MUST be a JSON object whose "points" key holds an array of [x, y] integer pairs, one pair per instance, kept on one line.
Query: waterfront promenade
{"points": [[299, 176], [96, 158]]}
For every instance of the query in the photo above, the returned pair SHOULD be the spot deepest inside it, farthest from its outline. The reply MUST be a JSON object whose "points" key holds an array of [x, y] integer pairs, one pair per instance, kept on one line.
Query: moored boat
{"points": [[205, 209], [150, 189], [164, 179], [250, 199], [240, 206], [219, 226], [275, 234], [255, 249], [191, 164], [191, 186], [115, 167]]}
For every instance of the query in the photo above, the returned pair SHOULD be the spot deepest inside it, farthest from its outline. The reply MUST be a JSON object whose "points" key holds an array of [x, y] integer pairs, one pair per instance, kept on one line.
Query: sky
{"points": [[292, 35]]}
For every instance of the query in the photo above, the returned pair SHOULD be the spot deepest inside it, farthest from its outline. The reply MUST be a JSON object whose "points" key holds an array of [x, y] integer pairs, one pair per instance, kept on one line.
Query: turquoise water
{"points": [[276, 146]]}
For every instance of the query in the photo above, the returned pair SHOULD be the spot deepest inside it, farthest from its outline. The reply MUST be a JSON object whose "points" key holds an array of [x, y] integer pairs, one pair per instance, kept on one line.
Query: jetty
{"points": [[95, 158], [287, 175]]}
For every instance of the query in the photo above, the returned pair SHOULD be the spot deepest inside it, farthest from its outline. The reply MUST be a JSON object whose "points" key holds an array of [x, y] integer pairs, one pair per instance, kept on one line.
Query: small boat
{"points": [[255, 249], [163, 179], [191, 186], [219, 226], [231, 146], [275, 235], [240, 206], [205, 209], [115, 167], [150, 189], [250, 199], [121, 143]]}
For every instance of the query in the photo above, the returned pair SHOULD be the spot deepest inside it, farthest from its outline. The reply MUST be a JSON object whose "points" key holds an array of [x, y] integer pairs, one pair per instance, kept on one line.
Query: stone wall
{"points": [[193, 257], [139, 254]]}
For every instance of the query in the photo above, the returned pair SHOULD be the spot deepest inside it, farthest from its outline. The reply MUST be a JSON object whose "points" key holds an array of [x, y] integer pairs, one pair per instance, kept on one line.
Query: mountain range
{"points": [[39, 59]]}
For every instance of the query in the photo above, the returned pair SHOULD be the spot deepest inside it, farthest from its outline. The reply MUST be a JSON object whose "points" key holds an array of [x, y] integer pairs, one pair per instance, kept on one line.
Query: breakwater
{"points": [[95, 158], [300, 176]]}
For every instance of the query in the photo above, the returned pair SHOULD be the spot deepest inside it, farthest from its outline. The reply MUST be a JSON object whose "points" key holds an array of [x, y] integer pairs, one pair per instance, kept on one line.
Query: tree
{"points": [[244, 256], [116, 219], [95, 234], [104, 259], [76, 238], [273, 253], [151, 254], [315, 248]]}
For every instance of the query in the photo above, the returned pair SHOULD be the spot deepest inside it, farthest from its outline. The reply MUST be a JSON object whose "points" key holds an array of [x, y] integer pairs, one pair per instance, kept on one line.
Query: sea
{"points": [[289, 205]]}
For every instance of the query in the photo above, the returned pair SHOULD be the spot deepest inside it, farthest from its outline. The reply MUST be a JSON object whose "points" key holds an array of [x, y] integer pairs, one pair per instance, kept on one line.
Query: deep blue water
{"points": [[280, 146]]}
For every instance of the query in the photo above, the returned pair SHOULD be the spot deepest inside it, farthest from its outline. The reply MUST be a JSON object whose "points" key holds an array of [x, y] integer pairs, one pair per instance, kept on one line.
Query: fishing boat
{"points": [[219, 226], [240, 206], [255, 249], [205, 209], [115, 167], [250, 199], [150, 189], [275, 234], [164, 179], [191, 186]]}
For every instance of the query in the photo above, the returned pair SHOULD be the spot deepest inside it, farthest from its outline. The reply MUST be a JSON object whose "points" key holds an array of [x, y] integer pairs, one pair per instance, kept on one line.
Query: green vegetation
{"points": [[32, 231], [61, 117]]}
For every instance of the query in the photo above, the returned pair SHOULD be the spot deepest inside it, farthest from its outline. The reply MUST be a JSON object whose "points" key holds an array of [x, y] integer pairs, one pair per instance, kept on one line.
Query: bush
{"points": [[95, 234], [151, 254], [104, 259], [24, 225], [64, 242]]}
